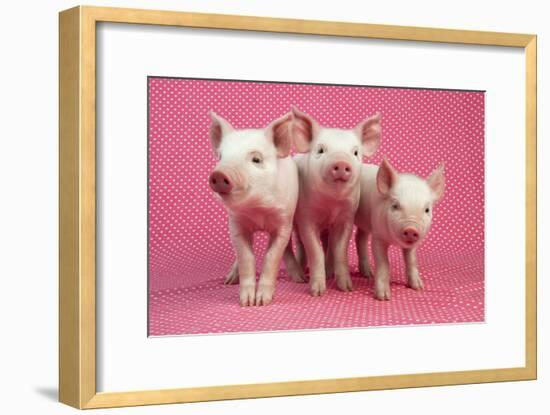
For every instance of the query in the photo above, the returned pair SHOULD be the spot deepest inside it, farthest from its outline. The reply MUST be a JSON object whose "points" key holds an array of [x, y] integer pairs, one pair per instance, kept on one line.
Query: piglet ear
{"points": [[369, 131], [280, 131], [304, 128], [436, 181], [386, 178], [218, 128]]}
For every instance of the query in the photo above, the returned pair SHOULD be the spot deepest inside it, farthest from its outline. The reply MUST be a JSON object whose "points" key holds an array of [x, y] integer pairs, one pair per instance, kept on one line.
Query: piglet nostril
{"points": [[348, 169]]}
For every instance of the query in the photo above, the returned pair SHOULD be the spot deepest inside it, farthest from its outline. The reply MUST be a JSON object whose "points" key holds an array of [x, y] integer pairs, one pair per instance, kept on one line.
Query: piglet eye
{"points": [[321, 150], [256, 160], [427, 210], [356, 153], [395, 206]]}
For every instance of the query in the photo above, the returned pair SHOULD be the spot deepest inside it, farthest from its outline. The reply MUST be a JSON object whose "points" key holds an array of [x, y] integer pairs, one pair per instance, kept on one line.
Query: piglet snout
{"points": [[341, 170], [220, 182], [410, 235]]}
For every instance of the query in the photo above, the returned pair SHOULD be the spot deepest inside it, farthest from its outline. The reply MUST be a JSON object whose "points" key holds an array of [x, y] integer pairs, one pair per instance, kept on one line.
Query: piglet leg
{"points": [[339, 241], [316, 258], [232, 276], [361, 244], [266, 286], [413, 277], [382, 276], [329, 257], [242, 241], [301, 256], [294, 270]]}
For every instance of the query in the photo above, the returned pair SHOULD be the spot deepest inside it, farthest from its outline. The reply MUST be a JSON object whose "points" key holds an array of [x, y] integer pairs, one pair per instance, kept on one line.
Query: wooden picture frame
{"points": [[77, 215]]}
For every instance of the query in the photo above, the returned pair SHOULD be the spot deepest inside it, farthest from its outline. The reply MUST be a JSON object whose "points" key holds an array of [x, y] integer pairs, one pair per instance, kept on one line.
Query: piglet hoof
{"points": [[318, 288], [296, 275], [247, 294], [382, 292], [344, 283], [264, 295], [416, 283], [232, 277], [365, 271]]}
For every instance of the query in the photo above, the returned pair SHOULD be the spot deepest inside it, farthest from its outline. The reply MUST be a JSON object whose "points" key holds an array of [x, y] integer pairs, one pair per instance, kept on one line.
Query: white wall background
{"points": [[28, 205]]}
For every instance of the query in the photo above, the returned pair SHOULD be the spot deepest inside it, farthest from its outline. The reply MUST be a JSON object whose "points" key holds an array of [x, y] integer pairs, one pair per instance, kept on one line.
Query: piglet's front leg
{"points": [[382, 275], [242, 242], [413, 277], [272, 261]]}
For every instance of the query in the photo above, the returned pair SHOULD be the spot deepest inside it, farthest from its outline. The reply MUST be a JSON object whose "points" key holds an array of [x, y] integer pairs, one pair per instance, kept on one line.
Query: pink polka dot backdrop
{"points": [[189, 247]]}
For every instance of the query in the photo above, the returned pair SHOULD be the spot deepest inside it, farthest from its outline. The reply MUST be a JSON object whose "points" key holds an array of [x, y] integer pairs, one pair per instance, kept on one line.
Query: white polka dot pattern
{"points": [[189, 247]]}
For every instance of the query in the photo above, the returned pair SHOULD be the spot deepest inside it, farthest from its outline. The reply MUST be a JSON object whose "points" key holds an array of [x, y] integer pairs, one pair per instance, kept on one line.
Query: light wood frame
{"points": [[77, 213]]}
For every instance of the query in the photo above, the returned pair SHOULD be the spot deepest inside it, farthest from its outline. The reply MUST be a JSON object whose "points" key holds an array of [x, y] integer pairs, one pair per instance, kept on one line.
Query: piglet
{"points": [[257, 182], [329, 193], [396, 209]]}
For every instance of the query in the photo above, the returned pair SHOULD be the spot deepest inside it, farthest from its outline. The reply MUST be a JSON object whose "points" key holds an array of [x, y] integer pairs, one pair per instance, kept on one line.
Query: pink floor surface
{"points": [[453, 294], [189, 247]]}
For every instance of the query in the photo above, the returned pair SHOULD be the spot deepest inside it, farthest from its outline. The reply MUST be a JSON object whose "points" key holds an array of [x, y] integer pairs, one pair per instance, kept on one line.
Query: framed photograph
{"points": [[255, 207]]}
